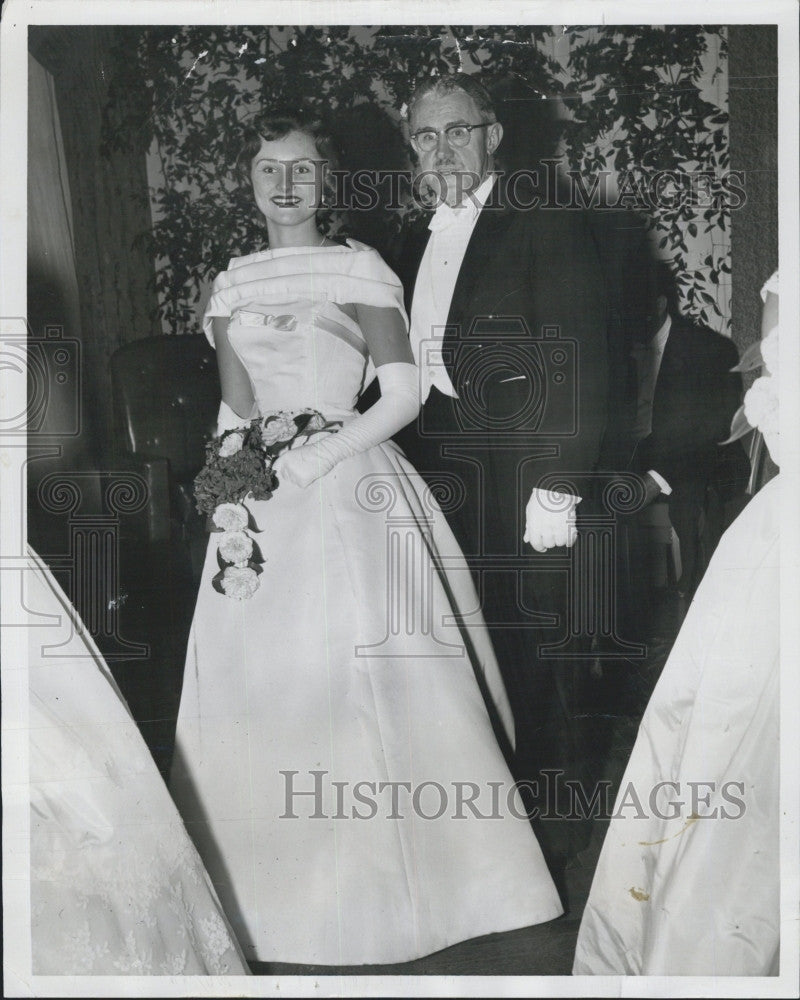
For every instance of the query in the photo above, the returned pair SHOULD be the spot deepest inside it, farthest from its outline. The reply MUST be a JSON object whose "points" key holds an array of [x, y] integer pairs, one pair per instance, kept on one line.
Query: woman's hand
{"points": [[304, 465]]}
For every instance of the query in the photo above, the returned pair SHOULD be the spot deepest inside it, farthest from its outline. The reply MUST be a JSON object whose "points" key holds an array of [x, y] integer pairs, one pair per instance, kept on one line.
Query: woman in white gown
{"points": [[332, 724], [688, 878], [117, 887]]}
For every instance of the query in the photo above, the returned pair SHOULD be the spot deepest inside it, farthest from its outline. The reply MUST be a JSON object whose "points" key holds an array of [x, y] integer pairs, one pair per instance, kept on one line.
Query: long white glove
{"points": [[229, 420], [397, 406], [549, 520]]}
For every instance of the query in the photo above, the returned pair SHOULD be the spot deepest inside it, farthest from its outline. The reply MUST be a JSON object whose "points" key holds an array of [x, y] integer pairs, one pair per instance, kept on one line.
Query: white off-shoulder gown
{"points": [[688, 881], [117, 887], [332, 725]]}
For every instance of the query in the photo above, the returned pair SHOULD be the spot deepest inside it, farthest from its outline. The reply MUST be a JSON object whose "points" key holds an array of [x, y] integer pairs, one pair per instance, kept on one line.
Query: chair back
{"points": [[166, 397]]}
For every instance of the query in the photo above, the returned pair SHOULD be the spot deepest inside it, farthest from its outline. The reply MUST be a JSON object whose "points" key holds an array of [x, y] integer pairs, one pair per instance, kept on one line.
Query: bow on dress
{"points": [[286, 321]]}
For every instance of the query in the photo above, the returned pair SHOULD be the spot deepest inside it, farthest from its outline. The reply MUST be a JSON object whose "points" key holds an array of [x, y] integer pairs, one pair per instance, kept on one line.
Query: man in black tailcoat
{"points": [[683, 400], [510, 327]]}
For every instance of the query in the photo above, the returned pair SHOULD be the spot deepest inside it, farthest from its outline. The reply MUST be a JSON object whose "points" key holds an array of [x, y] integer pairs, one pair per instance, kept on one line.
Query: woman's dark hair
{"points": [[277, 125]]}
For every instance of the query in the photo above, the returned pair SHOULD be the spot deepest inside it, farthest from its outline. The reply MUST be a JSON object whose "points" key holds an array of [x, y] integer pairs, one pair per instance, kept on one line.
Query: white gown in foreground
{"points": [[116, 885], [332, 725], [696, 895]]}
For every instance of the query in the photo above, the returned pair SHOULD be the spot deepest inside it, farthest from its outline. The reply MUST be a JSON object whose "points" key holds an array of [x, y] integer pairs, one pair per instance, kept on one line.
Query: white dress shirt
{"points": [[648, 359], [451, 230], [549, 517]]}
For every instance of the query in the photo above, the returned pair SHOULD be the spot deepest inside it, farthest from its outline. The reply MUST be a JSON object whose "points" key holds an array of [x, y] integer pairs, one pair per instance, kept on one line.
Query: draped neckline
{"points": [[269, 254]]}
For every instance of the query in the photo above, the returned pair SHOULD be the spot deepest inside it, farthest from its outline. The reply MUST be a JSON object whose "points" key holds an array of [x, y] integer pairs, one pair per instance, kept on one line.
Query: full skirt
{"points": [[688, 878], [116, 885], [333, 726]]}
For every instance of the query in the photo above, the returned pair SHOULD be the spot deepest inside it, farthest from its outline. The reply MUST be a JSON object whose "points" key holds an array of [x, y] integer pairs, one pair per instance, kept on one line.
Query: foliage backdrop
{"points": [[635, 102]]}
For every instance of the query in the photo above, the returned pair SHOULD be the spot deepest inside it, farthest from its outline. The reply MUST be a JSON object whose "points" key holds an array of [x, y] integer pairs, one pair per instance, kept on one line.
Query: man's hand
{"points": [[550, 520]]}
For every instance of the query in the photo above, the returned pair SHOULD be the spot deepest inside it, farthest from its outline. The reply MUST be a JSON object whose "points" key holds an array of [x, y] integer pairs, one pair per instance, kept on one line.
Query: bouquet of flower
{"points": [[239, 465]]}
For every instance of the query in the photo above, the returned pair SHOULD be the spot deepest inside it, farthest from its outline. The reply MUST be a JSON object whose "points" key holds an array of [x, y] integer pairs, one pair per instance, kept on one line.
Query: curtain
{"points": [[51, 252], [53, 298], [109, 199]]}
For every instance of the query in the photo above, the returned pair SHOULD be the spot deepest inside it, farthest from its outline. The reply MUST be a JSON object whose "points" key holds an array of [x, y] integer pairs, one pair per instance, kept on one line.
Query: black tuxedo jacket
{"points": [[696, 396], [529, 322]]}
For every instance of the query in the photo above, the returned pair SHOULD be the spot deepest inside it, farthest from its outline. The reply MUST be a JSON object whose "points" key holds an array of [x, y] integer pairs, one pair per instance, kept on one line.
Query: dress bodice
{"points": [[288, 325]]}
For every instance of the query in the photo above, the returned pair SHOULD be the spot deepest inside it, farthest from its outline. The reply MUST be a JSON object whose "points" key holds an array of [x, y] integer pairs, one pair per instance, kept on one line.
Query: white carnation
{"points": [[236, 547], [230, 517], [239, 582], [232, 443]]}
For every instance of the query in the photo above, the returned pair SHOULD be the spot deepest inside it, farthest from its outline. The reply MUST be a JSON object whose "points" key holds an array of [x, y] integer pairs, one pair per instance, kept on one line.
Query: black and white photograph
{"points": [[399, 464]]}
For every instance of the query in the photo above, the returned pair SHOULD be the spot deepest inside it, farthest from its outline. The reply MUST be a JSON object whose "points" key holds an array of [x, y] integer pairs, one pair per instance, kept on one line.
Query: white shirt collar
{"points": [[467, 212]]}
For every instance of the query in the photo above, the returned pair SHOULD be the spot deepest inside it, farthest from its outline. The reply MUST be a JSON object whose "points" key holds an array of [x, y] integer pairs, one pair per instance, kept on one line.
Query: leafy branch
{"points": [[639, 103]]}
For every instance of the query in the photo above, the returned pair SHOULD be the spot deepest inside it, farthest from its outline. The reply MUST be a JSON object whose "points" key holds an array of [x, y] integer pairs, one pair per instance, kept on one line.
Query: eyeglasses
{"points": [[426, 139]]}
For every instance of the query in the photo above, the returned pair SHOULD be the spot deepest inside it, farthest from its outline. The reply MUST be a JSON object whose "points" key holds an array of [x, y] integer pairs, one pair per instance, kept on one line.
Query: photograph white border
{"points": [[16, 17]]}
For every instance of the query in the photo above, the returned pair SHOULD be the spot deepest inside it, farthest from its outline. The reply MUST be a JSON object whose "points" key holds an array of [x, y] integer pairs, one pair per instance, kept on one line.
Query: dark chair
{"points": [[166, 397], [85, 519], [118, 534]]}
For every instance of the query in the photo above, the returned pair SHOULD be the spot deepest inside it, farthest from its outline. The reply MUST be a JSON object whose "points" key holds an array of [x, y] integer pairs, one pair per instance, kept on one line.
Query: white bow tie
{"points": [[445, 216]]}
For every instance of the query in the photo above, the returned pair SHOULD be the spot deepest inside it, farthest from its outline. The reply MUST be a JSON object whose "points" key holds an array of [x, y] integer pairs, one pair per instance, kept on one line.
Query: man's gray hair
{"points": [[446, 84]]}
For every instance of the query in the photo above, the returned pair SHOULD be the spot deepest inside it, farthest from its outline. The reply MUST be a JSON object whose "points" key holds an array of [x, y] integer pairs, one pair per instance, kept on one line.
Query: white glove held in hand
{"points": [[398, 406], [229, 420], [550, 519]]}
